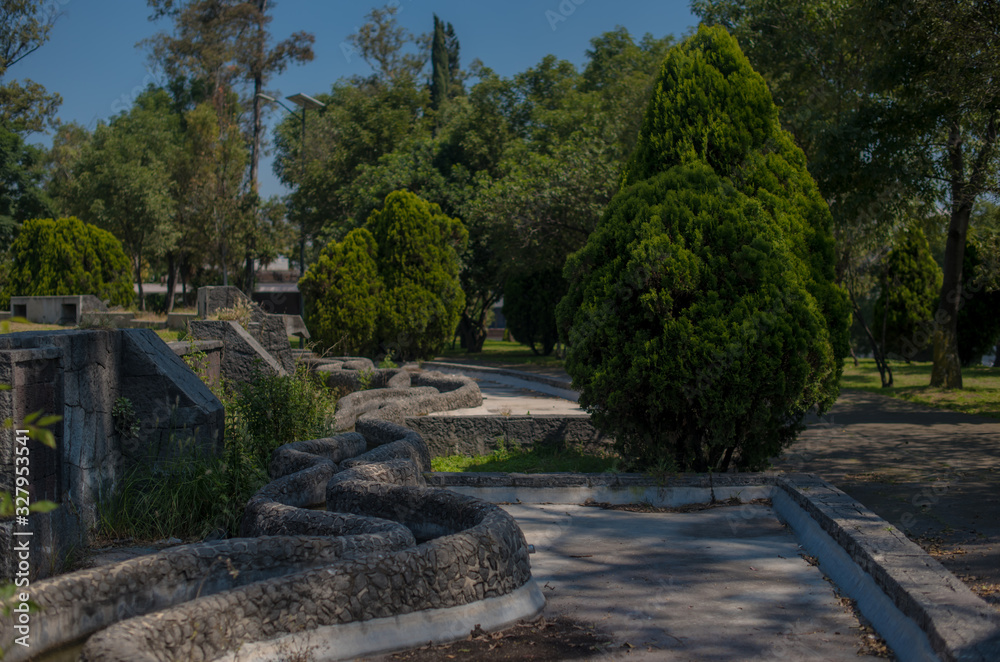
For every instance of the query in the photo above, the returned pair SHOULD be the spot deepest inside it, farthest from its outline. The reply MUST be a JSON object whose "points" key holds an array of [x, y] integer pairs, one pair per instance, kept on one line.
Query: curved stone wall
{"points": [[386, 547]]}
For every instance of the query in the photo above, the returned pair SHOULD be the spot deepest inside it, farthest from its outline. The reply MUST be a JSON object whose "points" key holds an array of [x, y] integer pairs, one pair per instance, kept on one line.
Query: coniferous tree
{"points": [[440, 66], [911, 280], [67, 256], [702, 319], [342, 291], [418, 249]]}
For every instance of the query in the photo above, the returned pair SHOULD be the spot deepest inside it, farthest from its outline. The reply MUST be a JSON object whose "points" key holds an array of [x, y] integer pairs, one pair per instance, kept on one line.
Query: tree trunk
{"points": [[171, 282], [996, 357], [884, 371], [472, 333], [138, 280], [258, 87], [947, 371]]}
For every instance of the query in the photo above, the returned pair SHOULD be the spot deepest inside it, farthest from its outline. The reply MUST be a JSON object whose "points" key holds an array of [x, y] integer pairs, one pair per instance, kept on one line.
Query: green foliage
{"points": [[911, 282], [342, 292], [529, 306], [25, 25], [702, 321], [710, 106], [978, 318], [539, 459], [21, 194], [417, 257], [123, 178], [68, 256], [276, 410], [124, 417], [190, 495]]}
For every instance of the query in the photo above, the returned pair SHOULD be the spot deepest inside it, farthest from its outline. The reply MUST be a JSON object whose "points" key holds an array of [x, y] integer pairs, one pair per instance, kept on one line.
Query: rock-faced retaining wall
{"points": [[268, 330], [479, 435], [79, 375], [428, 392], [385, 546]]}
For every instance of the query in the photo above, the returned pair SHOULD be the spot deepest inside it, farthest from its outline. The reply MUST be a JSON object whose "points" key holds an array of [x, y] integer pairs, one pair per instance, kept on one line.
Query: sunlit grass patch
{"points": [[980, 392]]}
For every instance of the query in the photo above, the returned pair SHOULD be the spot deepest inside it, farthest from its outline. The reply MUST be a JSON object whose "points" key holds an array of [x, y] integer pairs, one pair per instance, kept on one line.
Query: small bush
{"points": [[67, 256], [241, 311], [276, 410]]}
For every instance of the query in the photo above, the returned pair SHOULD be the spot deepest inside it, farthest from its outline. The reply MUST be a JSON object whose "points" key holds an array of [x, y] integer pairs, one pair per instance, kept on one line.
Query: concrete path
{"points": [[934, 474], [708, 585], [503, 400]]}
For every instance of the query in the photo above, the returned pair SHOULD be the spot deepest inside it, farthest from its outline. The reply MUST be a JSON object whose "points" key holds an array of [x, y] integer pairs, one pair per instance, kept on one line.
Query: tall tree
{"points": [[388, 47], [123, 180], [446, 78], [891, 100], [24, 27], [228, 43], [21, 193]]}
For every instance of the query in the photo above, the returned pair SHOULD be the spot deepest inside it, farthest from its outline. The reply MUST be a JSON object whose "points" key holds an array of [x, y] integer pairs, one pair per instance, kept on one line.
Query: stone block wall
{"points": [[268, 330], [479, 435], [79, 375]]}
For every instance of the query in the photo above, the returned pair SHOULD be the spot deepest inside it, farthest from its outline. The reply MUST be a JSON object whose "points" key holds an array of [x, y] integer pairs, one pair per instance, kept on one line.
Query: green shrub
{"points": [[276, 410], [193, 495], [911, 284], [701, 316], [342, 292], [529, 305], [67, 256], [418, 263]]}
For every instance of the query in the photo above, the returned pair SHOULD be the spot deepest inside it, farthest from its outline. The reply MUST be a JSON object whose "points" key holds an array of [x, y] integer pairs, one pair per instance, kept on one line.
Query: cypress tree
{"points": [[67, 256], [417, 258], [342, 291], [701, 317], [440, 66]]}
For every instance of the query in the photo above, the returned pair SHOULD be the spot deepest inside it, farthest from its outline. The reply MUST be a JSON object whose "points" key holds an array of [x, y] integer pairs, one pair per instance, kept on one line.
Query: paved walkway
{"points": [[933, 473], [655, 581]]}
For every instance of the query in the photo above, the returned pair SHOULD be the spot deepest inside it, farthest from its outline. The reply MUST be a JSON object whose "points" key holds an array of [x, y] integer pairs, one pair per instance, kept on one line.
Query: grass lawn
{"points": [[540, 460], [15, 327], [980, 392], [503, 353]]}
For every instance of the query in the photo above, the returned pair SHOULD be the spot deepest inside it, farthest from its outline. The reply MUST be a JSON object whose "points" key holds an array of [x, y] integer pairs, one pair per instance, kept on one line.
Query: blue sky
{"points": [[93, 62]]}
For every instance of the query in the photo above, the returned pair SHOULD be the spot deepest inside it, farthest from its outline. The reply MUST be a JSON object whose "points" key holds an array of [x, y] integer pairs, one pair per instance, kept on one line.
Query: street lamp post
{"points": [[305, 102]]}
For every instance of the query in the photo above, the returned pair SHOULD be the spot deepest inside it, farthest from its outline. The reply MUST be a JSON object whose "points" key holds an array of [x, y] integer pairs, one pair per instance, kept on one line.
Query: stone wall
{"points": [[79, 375], [479, 435], [385, 545], [270, 331], [55, 309], [242, 356]]}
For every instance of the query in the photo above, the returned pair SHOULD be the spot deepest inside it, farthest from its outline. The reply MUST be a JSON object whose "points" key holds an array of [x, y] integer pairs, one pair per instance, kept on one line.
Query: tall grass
{"points": [[191, 496]]}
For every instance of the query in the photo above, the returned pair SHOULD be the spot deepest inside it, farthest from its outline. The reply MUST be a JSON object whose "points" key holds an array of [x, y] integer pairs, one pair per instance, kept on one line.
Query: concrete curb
{"points": [[387, 635], [922, 611], [516, 378]]}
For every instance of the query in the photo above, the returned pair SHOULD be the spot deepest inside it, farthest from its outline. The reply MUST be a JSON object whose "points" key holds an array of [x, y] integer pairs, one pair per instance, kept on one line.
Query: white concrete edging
{"points": [[901, 633], [386, 635]]}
